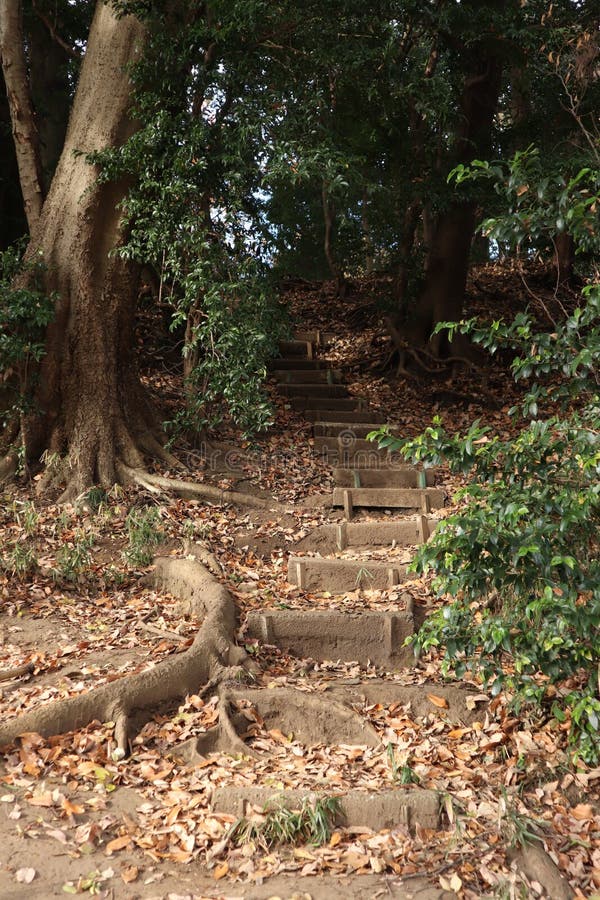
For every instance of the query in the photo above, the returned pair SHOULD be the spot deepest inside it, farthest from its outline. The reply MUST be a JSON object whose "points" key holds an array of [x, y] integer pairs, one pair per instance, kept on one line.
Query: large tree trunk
{"points": [[90, 407]]}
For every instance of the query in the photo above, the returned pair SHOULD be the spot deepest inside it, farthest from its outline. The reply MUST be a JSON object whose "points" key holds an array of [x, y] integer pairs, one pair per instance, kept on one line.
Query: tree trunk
{"points": [[366, 232], [329, 222], [90, 405], [412, 216], [12, 51], [564, 258], [448, 260]]}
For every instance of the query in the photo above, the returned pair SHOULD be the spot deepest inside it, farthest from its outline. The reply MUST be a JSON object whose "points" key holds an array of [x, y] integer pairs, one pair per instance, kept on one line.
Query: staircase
{"points": [[353, 553], [346, 555]]}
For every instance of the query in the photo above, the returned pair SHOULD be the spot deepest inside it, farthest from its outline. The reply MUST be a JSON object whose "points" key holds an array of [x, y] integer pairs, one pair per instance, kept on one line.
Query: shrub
{"points": [[519, 561]]}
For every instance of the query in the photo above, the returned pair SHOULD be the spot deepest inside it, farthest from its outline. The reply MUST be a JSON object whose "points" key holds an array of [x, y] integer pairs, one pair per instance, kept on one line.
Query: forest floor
{"points": [[77, 610]]}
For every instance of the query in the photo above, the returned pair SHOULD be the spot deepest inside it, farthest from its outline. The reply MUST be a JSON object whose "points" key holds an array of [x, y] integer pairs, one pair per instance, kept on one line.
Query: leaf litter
{"points": [[126, 819]]}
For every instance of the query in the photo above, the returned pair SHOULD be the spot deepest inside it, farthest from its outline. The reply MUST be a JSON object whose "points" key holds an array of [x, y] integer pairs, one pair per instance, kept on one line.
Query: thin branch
{"points": [[71, 51]]}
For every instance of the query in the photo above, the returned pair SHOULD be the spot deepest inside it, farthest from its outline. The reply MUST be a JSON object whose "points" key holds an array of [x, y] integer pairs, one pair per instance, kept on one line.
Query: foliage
{"points": [[520, 559], [20, 560], [194, 212], [25, 311], [312, 823], [539, 203], [74, 557], [402, 773], [518, 829], [26, 516], [145, 534]]}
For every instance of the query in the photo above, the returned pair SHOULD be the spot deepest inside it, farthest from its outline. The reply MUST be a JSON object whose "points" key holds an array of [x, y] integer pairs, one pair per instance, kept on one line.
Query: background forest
{"points": [[179, 170]]}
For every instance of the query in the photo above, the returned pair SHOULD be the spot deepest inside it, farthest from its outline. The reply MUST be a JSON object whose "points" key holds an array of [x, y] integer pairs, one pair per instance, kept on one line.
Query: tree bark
{"points": [[449, 251], [366, 232], [329, 223], [12, 51], [564, 258], [412, 216], [90, 406]]}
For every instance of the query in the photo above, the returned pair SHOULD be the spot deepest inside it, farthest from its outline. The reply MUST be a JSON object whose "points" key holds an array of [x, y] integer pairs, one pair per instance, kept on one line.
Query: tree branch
{"points": [[73, 52], [27, 145]]}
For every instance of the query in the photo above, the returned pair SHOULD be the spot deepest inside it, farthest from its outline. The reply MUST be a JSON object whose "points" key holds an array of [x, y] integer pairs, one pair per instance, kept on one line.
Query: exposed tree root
{"points": [[536, 864], [163, 632], [213, 656], [189, 490], [224, 737], [205, 556], [309, 718], [8, 466], [16, 672], [212, 664]]}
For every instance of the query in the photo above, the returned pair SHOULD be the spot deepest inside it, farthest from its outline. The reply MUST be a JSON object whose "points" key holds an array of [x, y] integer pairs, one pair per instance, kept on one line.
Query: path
{"points": [[349, 554], [355, 552]]}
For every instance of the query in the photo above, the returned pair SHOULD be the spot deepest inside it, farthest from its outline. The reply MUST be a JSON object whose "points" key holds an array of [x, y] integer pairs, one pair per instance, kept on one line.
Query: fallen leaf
{"points": [[583, 811], [118, 843], [129, 874], [441, 702], [25, 876], [221, 871]]}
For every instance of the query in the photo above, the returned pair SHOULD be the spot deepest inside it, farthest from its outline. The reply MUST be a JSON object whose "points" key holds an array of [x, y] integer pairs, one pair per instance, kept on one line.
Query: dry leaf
{"points": [[221, 871], [25, 876], [72, 808], [118, 843], [441, 702], [583, 812], [129, 874]]}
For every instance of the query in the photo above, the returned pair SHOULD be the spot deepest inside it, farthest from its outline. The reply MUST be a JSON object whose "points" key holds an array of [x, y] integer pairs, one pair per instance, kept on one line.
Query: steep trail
{"points": [[346, 555], [340, 557], [380, 510]]}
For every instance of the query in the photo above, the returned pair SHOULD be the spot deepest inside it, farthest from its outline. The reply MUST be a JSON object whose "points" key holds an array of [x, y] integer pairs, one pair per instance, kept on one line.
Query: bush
{"points": [[520, 560], [25, 311]]}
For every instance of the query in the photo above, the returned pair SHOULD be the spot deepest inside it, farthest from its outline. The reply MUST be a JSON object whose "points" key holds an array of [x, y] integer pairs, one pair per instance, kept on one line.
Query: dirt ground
{"points": [[79, 610]]}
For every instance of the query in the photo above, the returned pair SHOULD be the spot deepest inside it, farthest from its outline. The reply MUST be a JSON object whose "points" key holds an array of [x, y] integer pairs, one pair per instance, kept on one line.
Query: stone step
{"points": [[371, 636], [296, 348], [424, 499], [313, 401], [399, 477], [331, 538], [337, 416], [281, 363], [355, 430], [346, 442], [319, 391], [303, 376], [343, 404], [316, 337], [312, 573], [410, 808], [370, 458]]}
